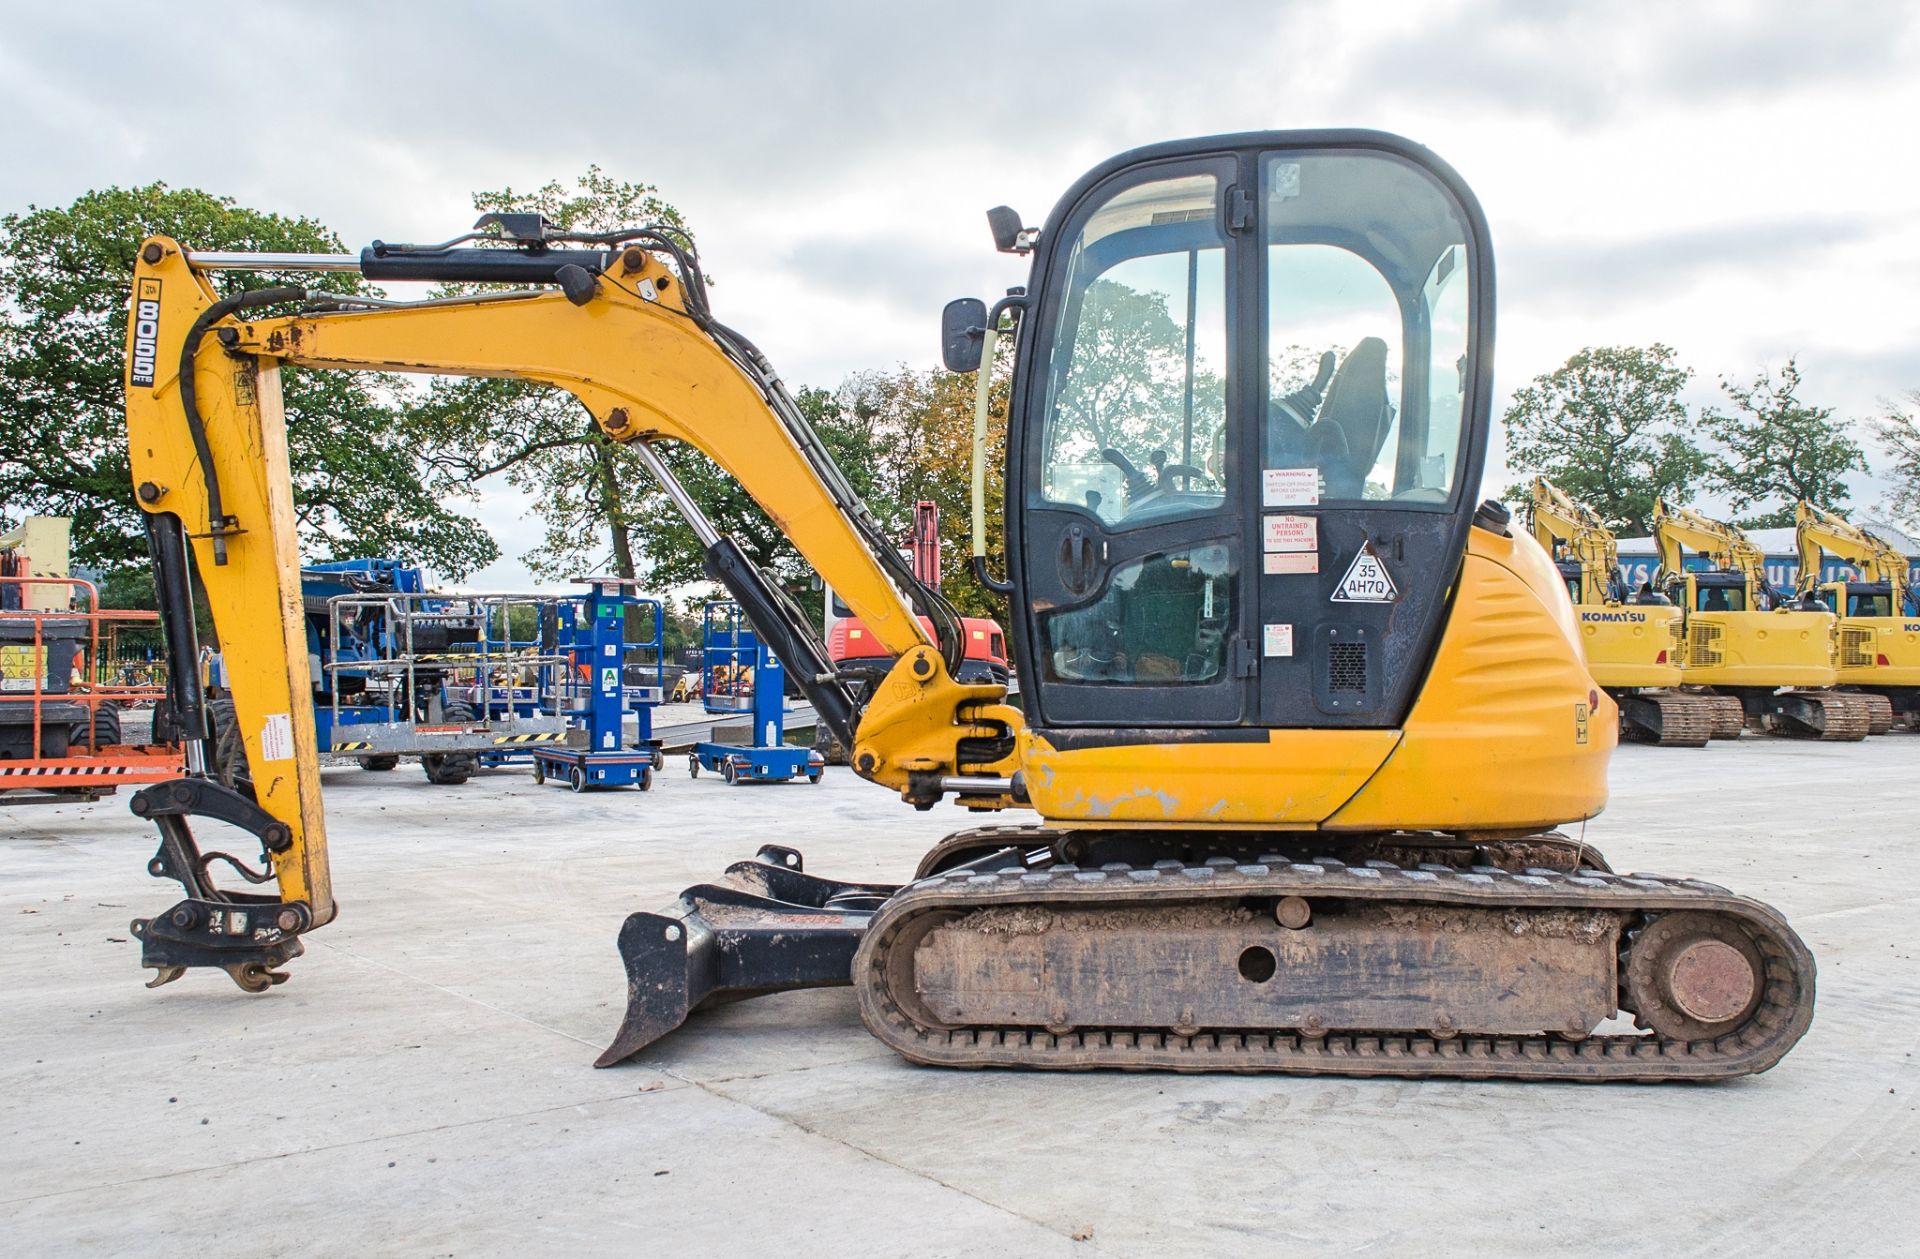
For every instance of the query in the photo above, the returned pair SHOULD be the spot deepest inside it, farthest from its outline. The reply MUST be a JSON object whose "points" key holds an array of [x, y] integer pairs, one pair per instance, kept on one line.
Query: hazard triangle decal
{"points": [[1367, 580]]}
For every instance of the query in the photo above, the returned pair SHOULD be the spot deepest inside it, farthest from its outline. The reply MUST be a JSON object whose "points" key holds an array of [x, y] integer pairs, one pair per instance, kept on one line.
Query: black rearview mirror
{"points": [[963, 329]]}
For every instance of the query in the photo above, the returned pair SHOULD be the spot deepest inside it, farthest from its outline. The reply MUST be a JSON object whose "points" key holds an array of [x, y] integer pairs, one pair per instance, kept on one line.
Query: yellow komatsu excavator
{"points": [[1297, 720], [1772, 652], [1633, 639], [1877, 649]]}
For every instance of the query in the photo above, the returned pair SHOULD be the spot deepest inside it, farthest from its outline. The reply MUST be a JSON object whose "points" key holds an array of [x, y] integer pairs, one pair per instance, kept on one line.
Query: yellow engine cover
{"points": [[1510, 731], [1761, 649], [1864, 641], [1632, 645]]}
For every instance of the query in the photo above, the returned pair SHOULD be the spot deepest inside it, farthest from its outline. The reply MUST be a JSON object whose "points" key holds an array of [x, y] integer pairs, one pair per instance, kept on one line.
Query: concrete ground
{"points": [[423, 1085]]}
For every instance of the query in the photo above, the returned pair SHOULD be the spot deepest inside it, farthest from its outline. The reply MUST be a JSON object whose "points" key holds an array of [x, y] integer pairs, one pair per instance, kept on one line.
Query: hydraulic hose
{"points": [[217, 523]]}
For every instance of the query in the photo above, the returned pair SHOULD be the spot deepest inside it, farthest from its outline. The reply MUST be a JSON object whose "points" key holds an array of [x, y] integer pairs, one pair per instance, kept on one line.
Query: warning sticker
{"points": [[1290, 487], [1293, 562], [276, 737], [1292, 533], [1278, 641], [1366, 581]]}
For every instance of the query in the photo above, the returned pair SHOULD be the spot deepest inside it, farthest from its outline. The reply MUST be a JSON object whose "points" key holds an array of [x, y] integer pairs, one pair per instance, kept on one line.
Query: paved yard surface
{"points": [[423, 1086]]}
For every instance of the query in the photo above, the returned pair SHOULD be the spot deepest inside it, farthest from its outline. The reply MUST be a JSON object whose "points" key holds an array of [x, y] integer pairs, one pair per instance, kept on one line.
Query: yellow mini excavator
{"points": [[1772, 652], [1633, 639], [1877, 651], [1298, 717]]}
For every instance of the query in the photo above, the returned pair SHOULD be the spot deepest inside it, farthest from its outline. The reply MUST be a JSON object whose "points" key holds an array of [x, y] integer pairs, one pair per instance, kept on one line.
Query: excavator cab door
{"points": [[1250, 409]]}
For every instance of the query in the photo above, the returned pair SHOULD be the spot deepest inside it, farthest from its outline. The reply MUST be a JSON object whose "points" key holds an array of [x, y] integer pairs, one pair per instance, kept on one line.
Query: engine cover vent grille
{"points": [[1345, 674], [1347, 668]]}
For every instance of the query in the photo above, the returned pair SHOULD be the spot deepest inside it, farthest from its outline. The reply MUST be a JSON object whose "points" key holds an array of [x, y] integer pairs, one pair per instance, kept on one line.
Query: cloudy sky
{"points": [[1738, 180]]}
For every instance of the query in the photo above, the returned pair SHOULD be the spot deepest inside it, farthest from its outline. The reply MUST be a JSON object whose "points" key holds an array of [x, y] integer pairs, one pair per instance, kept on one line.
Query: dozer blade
{"points": [[765, 927]]}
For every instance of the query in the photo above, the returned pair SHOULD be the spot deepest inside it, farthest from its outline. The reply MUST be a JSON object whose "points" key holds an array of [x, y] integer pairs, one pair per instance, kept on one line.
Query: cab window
{"points": [[1719, 599], [1367, 324], [1163, 618], [1136, 415]]}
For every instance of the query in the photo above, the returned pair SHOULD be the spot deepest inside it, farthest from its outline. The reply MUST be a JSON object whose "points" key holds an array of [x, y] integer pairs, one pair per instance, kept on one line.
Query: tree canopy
{"points": [[65, 273], [1608, 426], [587, 492], [898, 436], [1778, 450], [1899, 432]]}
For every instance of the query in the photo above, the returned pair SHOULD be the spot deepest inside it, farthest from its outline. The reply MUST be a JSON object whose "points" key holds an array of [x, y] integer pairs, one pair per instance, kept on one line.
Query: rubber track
{"points": [[1846, 718], [1686, 721], [1782, 1016], [1879, 711], [1729, 716]]}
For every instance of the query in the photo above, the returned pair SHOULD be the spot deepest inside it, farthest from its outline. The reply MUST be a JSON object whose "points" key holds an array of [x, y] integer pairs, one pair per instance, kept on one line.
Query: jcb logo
{"points": [[146, 331]]}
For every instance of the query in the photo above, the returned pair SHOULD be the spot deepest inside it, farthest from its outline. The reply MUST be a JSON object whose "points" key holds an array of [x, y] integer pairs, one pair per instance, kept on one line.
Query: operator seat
{"points": [[1352, 426]]}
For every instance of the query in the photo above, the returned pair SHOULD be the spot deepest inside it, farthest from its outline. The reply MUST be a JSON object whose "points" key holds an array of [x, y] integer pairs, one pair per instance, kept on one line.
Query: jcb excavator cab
{"points": [[1251, 403]]}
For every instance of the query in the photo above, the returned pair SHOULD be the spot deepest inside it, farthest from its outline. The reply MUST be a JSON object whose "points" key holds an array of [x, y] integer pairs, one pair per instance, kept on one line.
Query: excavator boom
{"points": [[1562, 524], [1819, 532]]}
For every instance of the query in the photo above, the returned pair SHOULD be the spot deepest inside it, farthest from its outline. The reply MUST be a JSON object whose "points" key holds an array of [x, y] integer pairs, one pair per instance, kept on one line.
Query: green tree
{"points": [[1779, 450], [674, 554], [1607, 426], [65, 273], [920, 426], [591, 496], [1899, 434], [1128, 382]]}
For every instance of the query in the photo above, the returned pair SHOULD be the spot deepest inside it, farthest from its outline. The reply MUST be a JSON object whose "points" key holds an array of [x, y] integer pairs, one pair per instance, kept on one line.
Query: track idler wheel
{"points": [[1692, 976]]}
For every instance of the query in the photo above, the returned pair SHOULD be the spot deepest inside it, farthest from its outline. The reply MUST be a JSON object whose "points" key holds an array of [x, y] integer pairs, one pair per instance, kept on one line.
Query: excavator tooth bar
{"points": [[767, 926]]}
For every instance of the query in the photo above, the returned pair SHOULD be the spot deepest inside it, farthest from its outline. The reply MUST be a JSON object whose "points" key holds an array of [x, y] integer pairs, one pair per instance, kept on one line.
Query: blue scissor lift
{"points": [[739, 675], [595, 694]]}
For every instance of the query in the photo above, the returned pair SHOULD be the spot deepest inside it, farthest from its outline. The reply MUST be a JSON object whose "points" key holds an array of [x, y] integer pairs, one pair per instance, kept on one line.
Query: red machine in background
{"points": [[850, 646], [67, 673]]}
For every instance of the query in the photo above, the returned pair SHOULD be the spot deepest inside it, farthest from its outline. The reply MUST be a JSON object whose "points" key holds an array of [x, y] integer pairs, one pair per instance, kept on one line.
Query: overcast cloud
{"points": [[1735, 179]]}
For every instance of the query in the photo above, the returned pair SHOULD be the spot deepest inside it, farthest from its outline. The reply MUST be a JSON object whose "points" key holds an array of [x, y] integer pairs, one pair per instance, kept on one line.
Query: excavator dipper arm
{"points": [[624, 335]]}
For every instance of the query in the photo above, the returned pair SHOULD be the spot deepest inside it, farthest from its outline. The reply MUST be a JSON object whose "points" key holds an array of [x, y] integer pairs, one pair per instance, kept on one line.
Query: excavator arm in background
{"points": [[1565, 526], [1677, 530], [1634, 641], [1877, 643], [629, 338], [1818, 532]]}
